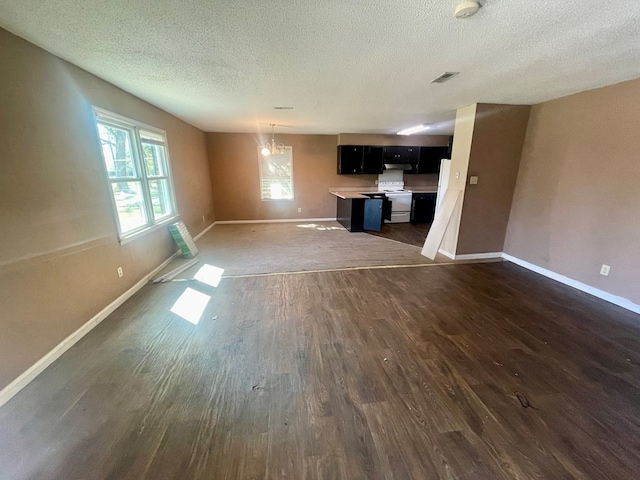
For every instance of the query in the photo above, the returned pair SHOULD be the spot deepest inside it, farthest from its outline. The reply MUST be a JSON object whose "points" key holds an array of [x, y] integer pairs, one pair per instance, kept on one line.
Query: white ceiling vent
{"points": [[446, 76]]}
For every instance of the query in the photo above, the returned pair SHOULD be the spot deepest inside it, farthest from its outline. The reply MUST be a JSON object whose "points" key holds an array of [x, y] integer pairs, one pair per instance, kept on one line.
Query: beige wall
{"points": [[498, 136], [577, 199], [393, 140], [233, 160], [59, 241]]}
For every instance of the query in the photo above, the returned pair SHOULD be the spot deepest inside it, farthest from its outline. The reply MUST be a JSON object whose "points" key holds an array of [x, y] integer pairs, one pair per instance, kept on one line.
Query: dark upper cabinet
{"points": [[358, 159], [401, 154], [429, 159], [350, 159], [372, 160]]}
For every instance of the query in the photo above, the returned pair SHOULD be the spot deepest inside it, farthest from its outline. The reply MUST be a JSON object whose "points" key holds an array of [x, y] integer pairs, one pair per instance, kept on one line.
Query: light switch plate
{"points": [[605, 270]]}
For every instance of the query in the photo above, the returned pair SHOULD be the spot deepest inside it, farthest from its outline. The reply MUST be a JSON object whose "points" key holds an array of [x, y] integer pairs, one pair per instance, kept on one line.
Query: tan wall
{"points": [[234, 166], [59, 241], [577, 199], [498, 137], [393, 140], [236, 179]]}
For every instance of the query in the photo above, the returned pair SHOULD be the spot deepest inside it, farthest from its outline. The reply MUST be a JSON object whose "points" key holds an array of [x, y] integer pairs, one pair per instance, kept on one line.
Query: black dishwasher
{"points": [[423, 207]]}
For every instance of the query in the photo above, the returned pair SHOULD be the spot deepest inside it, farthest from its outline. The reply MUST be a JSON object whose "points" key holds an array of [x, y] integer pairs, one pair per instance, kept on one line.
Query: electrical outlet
{"points": [[299, 209], [120, 272], [605, 270], [473, 180], [457, 174]]}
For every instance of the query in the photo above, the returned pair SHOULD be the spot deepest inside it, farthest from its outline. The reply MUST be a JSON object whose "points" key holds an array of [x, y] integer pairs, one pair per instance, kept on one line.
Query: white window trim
{"points": [[293, 192], [129, 123]]}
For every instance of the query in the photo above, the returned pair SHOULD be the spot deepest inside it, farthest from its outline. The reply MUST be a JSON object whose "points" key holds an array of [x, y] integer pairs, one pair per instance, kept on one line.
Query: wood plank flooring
{"points": [[404, 232], [396, 374], [290, 247]]}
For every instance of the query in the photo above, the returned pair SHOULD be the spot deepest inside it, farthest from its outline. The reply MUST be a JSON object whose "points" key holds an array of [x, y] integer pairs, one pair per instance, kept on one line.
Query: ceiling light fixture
{"points": [[271, 148], [411, 130], [467, 9]]}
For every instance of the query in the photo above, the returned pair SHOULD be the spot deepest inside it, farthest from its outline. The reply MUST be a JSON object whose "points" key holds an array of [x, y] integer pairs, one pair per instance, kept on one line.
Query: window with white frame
{"points": [[276, 175], [136, 159]]}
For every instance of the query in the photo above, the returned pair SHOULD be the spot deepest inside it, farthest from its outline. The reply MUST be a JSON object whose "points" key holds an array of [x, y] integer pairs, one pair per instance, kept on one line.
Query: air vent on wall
{"points": [[283, 108], [446, 76]]}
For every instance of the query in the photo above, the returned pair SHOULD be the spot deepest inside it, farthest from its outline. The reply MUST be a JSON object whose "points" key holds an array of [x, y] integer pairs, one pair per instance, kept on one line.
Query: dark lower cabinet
{"points": [[423, 207], [360, 214], [386, 209], [350, 213]]}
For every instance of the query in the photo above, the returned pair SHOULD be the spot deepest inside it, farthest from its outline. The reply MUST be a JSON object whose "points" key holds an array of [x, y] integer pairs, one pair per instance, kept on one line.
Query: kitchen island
{"points": [[360, 209], [350, 211]]}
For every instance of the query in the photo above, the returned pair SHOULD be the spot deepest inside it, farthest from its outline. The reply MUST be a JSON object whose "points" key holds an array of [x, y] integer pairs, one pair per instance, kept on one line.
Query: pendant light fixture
{"points": [[271, 148]]}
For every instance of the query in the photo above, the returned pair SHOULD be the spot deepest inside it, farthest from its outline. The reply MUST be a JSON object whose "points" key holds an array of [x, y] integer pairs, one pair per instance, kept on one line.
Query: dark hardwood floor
{"points": [[406, 373], [404, 232]]}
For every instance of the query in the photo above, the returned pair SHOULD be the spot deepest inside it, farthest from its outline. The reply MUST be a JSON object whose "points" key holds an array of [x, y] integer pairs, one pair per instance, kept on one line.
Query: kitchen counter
{"points": [[348, 192], [421, 188], [345, 195], [424, 190]]}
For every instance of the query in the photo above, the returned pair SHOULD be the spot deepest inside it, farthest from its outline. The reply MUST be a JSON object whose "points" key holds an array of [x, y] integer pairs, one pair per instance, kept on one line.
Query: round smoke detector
{"points": [[467, 9]]}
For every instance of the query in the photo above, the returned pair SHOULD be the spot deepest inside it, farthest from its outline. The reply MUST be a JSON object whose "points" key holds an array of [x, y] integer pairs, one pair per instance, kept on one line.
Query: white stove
{"points": [[400, 201]]}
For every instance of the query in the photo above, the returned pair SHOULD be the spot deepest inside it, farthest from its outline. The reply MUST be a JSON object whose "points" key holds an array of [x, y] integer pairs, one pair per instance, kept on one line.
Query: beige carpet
{"points": [[290, 247]]}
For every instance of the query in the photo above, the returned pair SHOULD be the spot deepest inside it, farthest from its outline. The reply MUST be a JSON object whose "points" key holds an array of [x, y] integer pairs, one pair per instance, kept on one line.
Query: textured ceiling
{"points": [[345, 66]]}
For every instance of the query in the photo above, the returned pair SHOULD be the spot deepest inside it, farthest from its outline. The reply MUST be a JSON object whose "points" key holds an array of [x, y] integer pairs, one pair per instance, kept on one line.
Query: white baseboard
{"points": [[153, 272], [198, 236], [447, 254], [471, 256], [32, 372], [596, 292], [282, 220], [478, 256]]}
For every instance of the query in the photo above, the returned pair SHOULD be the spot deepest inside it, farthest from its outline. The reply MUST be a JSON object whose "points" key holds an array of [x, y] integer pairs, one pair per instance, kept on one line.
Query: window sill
{"points": [[141, 233], [277, 199]]}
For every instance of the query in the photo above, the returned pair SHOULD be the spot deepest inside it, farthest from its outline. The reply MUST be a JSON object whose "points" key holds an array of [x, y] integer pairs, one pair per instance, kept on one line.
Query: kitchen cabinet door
{"points": [[401, 154], [372, 160], [430, 158], [373, 214], [423, 207], [350, 159]]}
